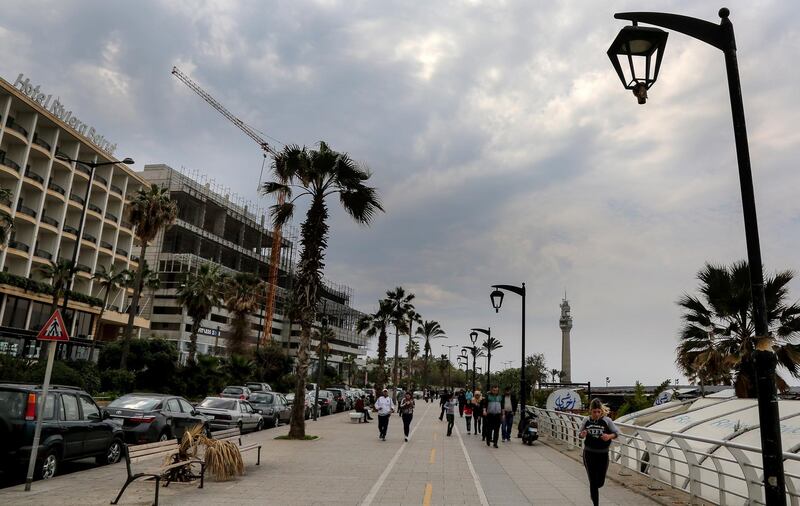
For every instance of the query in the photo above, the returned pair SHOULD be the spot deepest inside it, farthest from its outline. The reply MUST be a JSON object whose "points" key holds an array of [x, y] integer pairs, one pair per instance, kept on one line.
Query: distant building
{"points": [[565, 322], [215, 227]]}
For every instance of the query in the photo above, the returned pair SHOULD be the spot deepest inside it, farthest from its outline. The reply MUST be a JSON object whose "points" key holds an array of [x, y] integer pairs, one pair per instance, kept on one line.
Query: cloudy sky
{"points": [[501, 140]]}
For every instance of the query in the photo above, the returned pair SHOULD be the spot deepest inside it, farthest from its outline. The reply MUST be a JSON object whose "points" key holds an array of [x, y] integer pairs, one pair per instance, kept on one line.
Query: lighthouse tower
{"points": [[565, 322]]}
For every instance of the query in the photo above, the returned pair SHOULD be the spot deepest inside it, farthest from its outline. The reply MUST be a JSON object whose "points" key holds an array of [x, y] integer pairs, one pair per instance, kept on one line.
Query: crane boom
{"points": [[277, 240]]}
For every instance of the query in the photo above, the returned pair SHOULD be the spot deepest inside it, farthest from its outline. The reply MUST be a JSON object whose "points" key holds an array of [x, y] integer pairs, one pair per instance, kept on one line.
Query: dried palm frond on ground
{"points": [[186, 451], [223, 459]]}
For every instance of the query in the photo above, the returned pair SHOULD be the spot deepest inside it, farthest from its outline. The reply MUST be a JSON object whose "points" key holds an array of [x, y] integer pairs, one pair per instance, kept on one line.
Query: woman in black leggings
{"points": [[597, 431], [407, 412]]}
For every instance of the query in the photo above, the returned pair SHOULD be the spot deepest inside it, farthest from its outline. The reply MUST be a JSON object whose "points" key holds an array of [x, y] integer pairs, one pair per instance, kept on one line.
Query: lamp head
{"points": [[128, 161], [632, 55], [473, 336], [497, 299]]}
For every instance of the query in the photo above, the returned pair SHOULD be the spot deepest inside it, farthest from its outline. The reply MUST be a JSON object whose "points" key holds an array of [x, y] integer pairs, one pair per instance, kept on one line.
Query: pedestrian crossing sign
{"points": [[54, 329]]}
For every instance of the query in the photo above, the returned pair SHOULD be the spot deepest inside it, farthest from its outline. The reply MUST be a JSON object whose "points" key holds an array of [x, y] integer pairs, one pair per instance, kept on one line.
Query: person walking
{"points": [[385, 407], [468, 415], [451, 406], [597, 431], [494, 413], [443, 403], [462, 402], [509, 408], [477, 411], [407, 412]]}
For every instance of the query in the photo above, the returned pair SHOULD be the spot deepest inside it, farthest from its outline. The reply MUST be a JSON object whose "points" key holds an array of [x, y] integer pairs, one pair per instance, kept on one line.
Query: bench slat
{"points": [[225, 433], [146, 454], [147, 446]]}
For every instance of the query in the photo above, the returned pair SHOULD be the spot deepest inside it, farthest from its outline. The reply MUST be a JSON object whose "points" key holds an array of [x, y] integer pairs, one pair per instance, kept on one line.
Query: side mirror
{"points": [[94, 417]]}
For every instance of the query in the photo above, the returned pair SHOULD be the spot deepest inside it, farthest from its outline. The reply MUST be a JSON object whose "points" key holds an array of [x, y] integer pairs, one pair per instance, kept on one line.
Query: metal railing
{"points": [[718, 471]]}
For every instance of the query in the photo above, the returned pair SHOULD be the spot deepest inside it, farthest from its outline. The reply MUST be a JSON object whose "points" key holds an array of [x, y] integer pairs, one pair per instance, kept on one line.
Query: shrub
{"points": [[117, 380]]}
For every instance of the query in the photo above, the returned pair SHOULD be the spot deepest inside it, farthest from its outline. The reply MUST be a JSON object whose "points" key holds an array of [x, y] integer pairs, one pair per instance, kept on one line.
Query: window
{"points": [[174, 406], [71, 413], [50, 407], [164, 326], [167, 310], [83, 324], [243, 408], [40, 313], [89, 408], [218, 318], [16, 312], [185, 406]]}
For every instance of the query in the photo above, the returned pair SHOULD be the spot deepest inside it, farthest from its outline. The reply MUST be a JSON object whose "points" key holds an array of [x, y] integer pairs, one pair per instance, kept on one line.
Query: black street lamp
{"points": [[635, 42], [92, 166], [449, 364], [497, 300], [488, 333]]}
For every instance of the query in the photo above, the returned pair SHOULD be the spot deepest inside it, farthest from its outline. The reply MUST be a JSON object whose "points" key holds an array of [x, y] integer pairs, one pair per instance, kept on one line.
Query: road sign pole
{"points": [[51, 353]]}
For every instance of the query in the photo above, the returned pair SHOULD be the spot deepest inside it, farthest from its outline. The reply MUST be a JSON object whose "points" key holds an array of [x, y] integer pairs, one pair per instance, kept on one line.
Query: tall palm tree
{"points": [[717, 340], [109, 280], [6, 221], [151, 210], [412, 351], [413, 317], [349, 361], [401, 305], [199, 293], [490, 345], [317, 174], [241, 296], [323, 338], [429, 330], [60, 274], [554, 375], [377, 324]]}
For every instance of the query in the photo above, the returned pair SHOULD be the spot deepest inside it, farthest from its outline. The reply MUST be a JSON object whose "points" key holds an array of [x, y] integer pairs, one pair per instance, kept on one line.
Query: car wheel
{"points": [[112, 455], [276, 421], [49, 466], [260, 425], [241, 426], [164, 436]]}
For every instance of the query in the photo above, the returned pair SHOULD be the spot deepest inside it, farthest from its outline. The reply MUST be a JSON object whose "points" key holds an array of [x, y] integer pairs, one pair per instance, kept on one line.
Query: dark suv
{"points": [[73, 428], [147, 418]]}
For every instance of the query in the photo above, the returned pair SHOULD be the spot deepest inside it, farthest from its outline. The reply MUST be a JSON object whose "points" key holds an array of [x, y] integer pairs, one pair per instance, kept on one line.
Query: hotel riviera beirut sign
{"points": [[24, 85]]}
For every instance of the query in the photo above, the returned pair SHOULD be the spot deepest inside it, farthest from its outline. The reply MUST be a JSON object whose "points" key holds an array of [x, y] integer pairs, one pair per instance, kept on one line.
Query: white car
{"points": [[230, 413]]}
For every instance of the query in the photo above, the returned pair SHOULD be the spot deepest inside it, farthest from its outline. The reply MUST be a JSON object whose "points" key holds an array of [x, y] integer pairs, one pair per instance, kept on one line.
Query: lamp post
{"points": [[497, 300], [92, 166], [449, 364], [488, 333], [635, 42]]}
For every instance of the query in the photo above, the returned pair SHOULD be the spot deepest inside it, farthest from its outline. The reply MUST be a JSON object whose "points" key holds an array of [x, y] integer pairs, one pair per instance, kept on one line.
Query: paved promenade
{"points": [[350, 465]]}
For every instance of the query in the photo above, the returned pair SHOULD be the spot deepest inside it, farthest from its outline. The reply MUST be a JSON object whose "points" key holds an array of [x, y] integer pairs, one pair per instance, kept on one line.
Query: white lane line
{"points": [[481, 493], [378, 484]]}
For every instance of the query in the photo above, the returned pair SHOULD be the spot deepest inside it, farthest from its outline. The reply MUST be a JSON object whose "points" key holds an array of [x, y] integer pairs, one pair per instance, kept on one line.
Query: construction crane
{"points": [[275, 253]]}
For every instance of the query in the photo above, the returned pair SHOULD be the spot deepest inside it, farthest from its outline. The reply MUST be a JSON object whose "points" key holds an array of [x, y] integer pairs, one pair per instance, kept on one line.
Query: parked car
{"points": [[73, 427], [309, 402], [272, 406], [229, 413], [236, 392], [341, 399], [147, 418], [327, 402], [258, 387]]}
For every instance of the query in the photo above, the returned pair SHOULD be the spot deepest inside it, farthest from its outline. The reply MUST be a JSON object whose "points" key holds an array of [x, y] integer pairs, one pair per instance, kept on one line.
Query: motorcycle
{"points": [[530, 428]]}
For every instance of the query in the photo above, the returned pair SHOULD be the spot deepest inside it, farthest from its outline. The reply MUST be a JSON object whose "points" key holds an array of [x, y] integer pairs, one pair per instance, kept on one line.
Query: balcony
{"points": [[26, 210], [112, 217], [83, 168], [10, 123], [30, 174], [116, 189], [126, 224], [8, 162], [70, 230], [76, 198], [95, 208], [79, 267], [50, 221], [106, 245], [42, 254], [89, 237], [41, 142], [19, 246], [56, 188], [122, 252], [100, 179], [60, 153]]}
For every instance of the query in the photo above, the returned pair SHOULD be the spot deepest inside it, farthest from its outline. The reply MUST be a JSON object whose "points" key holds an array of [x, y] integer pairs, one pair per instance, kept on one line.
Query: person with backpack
{"points": [[597, 431]]}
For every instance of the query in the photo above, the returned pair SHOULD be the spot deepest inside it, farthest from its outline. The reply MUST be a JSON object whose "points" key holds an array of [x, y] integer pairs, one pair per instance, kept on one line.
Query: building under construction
{"points": [[217, 227]]}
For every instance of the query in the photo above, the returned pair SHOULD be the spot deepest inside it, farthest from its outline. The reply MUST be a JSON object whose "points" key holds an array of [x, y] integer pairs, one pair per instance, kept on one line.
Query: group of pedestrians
{"points": [[491, 416], [385, 406]]}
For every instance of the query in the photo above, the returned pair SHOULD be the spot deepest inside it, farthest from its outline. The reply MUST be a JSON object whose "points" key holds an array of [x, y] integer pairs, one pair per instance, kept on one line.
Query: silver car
{"points": [[230, 413]]}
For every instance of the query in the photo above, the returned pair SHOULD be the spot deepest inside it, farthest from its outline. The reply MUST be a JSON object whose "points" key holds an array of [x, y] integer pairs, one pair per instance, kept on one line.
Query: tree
{"points": [[491, 344], [554, 375], [374, 324], [323, 338], [60, 274], [635, 402], [199, 293], [151, 210], [401, 305], [536, 369], [240, 296], [717, 340], [240, 369], [349, 361], [317, 174], [6, 221], [429, 330], [412, 351], [413, 317], [109, 280], [272, 363]]}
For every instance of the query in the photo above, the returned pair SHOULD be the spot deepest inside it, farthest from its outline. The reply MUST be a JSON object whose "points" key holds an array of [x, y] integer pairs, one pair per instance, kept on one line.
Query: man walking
{"points": [[462, 401], [443, 403], [385, 407], [451, 414], [494, 412], [509, 408]]}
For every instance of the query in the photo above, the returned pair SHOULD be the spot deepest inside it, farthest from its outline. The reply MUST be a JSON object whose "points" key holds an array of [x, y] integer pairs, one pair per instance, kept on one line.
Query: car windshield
{"points": [[261, 398], [136, 402], [254, 386], [217, 403], [232, 390]]}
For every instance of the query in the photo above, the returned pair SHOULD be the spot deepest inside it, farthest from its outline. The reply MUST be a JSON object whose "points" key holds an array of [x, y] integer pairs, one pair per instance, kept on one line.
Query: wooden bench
{"points": [[158, 452], [235, 434]]}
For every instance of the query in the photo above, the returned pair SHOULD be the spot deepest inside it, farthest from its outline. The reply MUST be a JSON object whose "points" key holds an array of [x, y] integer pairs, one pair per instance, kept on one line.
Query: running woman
{"points": [[407, 412], [597, 431]]}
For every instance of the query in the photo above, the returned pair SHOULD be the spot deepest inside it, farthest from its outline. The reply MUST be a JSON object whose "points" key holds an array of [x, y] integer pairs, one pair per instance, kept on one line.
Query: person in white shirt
{"points": [[385, 407]]}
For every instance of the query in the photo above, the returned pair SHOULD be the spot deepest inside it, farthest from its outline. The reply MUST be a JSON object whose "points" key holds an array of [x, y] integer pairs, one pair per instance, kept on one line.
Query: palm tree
{"points": [[413, 317], [109, 280], [374, 324], [412, 351], [241, 296], [323, 338], [60, 274], [554, 374], [349, 361], [429, 330], [317, 174], [401, 306], [199, 293], [6, 221], [151, 210], [490, 345], [717, 340]]}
